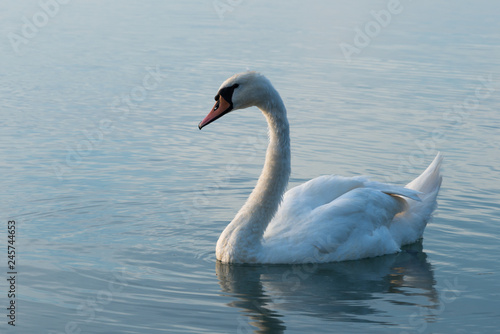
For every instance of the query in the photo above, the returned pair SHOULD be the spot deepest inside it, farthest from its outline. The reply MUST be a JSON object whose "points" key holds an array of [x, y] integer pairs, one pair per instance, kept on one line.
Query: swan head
{"points": [[243, 90]]}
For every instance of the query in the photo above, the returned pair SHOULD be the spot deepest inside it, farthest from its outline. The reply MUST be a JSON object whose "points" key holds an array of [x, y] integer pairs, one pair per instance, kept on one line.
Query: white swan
{"points": [[329, 218]]}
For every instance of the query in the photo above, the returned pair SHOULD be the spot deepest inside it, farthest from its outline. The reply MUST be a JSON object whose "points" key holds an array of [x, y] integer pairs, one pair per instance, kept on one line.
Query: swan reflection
{"points": [[351, 291]]}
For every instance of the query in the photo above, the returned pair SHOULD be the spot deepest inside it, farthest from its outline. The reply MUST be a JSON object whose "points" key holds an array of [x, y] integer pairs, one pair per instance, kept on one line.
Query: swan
{"points": [[327, 219]]}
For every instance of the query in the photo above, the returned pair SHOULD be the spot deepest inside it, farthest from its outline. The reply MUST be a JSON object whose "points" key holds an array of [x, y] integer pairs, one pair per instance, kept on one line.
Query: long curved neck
{"points": [[267, 194], [242, 238]]}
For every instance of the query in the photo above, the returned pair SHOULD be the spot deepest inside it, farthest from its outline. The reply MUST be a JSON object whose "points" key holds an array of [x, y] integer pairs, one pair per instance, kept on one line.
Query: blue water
{"points": [[119, 199]]}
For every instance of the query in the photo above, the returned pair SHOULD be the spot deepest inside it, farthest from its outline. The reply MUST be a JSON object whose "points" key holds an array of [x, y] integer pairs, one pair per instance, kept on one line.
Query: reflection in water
{"points": [[350, 291]]}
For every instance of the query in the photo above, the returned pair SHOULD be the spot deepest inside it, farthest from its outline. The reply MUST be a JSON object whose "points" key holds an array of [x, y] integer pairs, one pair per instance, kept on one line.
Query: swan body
{"points": [[329, 218]]}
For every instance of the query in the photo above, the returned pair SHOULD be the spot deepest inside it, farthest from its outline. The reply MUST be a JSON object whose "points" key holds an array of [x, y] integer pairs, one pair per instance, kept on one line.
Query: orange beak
{"points": [[221, 107]]}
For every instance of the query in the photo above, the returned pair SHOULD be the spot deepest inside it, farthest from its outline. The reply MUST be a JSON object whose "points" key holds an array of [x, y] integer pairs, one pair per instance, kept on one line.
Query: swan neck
{"points": [[273, 180], [267, 194], [242, 238]]}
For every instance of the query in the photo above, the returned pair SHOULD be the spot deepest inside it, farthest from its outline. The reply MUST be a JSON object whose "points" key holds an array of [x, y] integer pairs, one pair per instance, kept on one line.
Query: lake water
{"points": [[119, 199]]}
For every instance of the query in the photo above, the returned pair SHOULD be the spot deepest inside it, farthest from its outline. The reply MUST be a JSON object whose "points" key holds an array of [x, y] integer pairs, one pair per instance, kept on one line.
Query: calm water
{"points": [[119, 199]]}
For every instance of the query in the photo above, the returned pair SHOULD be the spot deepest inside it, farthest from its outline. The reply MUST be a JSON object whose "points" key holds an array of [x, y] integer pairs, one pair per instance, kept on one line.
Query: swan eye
{"points": [[226, 93], [216, 105]]}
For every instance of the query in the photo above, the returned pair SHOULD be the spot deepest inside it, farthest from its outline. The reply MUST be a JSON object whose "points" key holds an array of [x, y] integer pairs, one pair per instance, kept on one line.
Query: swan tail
{"points": [[408, 226], [430, 180]]}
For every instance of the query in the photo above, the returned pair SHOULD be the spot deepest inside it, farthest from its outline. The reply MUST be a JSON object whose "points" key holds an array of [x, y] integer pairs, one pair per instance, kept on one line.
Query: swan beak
{"points": [[221, 107]]}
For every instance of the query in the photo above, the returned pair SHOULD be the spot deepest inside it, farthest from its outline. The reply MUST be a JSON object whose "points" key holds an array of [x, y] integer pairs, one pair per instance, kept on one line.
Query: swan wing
{"points": [[391, 189], [325, 189], [316, 192], [350, 222]]}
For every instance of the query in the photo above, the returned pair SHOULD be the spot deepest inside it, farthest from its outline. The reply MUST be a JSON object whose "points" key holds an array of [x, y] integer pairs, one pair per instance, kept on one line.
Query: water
{"points": [[119, 199]]}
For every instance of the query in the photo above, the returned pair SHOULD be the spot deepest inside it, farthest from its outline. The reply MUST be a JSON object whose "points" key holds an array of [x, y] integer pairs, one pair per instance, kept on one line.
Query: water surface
{"points": [[119, 199]]}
